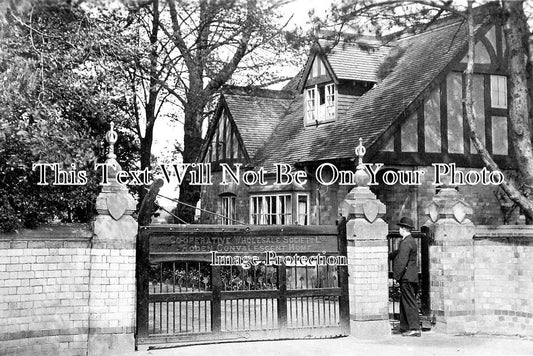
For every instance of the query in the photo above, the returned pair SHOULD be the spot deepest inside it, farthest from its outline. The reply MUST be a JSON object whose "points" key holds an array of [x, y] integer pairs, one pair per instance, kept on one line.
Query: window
{"points": [[278, 209], [303, 210], [310, 105], [320, 103], [498, 91], [330, 102], [228, 210], [271, 209]]}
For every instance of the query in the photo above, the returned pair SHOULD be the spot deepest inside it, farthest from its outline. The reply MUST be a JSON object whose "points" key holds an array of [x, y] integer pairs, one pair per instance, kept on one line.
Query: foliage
{"points": [[68, 68], [57, 96]]}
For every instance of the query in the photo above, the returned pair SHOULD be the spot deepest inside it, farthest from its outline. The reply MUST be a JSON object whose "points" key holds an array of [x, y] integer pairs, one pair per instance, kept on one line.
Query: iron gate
{"points": [[184, 296], [422, 239]]}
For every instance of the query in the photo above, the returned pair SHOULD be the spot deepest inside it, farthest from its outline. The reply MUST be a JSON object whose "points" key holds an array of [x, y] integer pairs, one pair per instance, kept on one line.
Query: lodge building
{"points": [[402, 96]]}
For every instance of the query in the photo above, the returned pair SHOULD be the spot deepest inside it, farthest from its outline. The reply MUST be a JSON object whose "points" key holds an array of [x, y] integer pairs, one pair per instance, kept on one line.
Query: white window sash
{"points": [[228, 210], [316, 112], [330, 95], [498, 91], [265, 209], [301, 215]]}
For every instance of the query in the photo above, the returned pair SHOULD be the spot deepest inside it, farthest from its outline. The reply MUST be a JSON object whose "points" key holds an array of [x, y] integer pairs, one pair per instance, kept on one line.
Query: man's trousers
{"points": [[408, 306]]}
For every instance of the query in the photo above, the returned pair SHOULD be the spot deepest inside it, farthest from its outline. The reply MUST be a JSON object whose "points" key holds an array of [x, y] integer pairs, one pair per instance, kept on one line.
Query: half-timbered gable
{"points": [[243, 121], [225, 143], [434, 127], [409, 117]]}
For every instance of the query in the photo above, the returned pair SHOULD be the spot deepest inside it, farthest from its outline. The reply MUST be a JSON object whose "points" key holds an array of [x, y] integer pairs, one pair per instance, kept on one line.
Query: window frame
{"points": [[282, 212], [321, 113], [495, 88], [298, 214], [310, 104], [228, 208]]}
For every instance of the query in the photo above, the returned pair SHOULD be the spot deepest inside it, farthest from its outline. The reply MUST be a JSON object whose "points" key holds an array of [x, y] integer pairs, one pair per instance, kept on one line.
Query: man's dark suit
{"points": [[405, 271]]}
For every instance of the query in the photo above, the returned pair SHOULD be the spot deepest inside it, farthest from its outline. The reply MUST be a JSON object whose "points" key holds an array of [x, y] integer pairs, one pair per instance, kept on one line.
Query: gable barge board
{"points": [[221, 108], [316, 52]]}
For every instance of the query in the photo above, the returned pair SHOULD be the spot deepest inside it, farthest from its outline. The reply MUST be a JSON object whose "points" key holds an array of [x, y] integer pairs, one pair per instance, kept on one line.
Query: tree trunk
{"points": [[192, 142], [513, 24], [146, 154], [517, 36], [150, 110]]}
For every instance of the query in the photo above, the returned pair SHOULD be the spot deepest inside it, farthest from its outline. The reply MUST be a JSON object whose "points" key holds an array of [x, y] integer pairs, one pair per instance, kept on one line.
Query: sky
{"points": [[300, 10]]}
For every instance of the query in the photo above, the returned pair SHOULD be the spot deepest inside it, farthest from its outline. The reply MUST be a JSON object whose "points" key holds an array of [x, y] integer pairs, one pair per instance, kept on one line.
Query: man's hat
{"points": [[406, 222]]}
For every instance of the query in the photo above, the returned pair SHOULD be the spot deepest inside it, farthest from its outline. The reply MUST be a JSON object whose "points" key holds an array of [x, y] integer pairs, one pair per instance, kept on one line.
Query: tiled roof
{"points": [[354, 60], [293, 83], [256, 113], [426, 56], [272, 125]]}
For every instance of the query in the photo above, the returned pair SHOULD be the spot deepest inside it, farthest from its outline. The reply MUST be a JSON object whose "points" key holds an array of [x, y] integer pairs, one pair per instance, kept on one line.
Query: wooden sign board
{"points": [[239, 240]]}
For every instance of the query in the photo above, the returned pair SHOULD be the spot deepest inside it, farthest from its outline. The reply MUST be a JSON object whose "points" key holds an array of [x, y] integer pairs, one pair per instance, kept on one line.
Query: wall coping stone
{"points": [[70, 232], [503, 232]]}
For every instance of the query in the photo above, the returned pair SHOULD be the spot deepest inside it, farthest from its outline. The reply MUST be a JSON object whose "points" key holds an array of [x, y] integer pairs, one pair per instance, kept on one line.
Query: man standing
{"points": [[405, 271]]}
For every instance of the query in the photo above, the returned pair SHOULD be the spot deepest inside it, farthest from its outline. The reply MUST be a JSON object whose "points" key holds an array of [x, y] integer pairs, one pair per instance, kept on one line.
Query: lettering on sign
{"points": [[244, 244]]}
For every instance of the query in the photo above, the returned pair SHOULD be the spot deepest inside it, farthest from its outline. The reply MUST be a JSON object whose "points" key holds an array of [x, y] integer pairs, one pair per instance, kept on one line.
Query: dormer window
{"points": [[320, 104]]}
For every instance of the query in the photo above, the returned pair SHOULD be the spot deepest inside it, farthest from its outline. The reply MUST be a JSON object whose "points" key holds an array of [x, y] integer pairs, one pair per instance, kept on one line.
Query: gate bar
{"points": [[216, 285], [282, 298], [143, 266], [344, 301]]}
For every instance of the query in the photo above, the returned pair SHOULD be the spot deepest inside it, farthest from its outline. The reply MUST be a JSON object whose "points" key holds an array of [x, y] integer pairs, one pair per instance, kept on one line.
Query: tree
{"points": [[146, 66], [55, 103], [517, 34], [213, 43]]}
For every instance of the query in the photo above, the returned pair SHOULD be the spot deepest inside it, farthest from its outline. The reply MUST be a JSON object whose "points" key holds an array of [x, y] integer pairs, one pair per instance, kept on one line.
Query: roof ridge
{"points": [[426, 32], [257, 91]]}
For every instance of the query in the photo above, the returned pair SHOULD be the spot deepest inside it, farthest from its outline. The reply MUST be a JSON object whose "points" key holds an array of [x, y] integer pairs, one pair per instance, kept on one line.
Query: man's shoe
{"points": [[397, 331], [416, 333]]}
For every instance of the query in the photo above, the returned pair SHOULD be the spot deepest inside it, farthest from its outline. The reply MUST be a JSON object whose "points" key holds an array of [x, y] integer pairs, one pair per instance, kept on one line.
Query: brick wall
{"points": [[211, 200], [44, 291], [56, 288], [503, 270], [452, 276], [482, 278]]}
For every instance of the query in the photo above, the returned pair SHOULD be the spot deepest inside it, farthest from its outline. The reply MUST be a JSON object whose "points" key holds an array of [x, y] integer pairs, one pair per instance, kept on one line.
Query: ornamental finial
{"points": [[361, 176], [360, 151], [111, 137]]}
